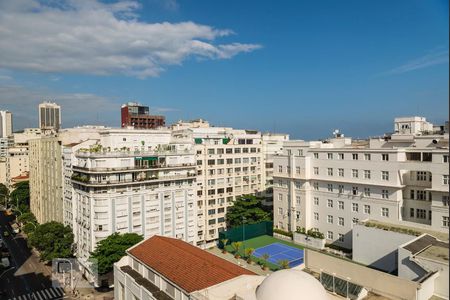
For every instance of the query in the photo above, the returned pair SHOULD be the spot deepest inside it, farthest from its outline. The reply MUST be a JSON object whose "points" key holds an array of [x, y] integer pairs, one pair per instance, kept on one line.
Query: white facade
{"points": [[230, 163], [333, 184], [6, 124], [140, 181]]}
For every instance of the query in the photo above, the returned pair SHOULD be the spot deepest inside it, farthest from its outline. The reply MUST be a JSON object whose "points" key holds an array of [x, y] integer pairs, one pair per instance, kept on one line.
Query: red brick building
{"points": [[138, 116]]}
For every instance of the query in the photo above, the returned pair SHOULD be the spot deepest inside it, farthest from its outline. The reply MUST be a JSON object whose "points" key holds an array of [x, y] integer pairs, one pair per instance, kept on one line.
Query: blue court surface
{"points": [[278, 251]]}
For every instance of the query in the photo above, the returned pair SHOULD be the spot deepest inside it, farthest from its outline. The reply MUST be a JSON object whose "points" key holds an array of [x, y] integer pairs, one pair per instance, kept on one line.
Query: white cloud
{"points": [[435, 57], [90, 37]]}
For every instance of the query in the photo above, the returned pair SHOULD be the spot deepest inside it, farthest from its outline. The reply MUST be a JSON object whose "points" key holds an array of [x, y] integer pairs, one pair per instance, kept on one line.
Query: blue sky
{"points": [[298, 67]]}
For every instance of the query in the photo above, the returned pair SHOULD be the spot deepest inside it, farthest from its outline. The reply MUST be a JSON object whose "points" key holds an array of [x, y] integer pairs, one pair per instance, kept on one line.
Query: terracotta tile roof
{"points": [[185, 265]]}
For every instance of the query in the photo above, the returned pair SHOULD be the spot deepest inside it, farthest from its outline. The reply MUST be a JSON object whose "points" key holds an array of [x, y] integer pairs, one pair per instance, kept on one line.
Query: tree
{"points": [[27, 217], [112, 249], [283, 263], [248, 254], [236, 246], [20, 196], [52, 240], [4, 192], [246, 207]]}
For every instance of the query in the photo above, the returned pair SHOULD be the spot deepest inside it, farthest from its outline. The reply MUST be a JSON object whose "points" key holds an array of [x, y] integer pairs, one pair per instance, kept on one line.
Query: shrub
{"points": [[282, 232]]}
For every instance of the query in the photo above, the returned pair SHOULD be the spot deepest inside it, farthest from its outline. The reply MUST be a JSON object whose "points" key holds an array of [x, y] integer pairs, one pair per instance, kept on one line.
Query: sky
{"points": [[299, 67]]}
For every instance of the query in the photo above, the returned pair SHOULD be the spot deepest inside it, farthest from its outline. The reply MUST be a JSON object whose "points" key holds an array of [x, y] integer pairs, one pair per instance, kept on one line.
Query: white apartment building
{"points": [[331, 185], [6, 124], [140, 181], [230, 163]]}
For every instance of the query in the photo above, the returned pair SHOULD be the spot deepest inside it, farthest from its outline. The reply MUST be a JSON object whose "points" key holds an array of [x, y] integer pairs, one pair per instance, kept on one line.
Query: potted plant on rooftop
{"points": [[265, 258], [224, 244], [248, 254], [236, 246]]}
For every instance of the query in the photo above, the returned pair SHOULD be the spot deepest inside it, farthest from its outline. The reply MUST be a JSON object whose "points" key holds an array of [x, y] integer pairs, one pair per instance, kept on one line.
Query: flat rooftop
{"points": [[437, 253]]}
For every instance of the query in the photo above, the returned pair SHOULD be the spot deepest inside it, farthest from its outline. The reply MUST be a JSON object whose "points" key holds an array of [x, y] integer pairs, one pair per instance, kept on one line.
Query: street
{"points": [[28, 278]]}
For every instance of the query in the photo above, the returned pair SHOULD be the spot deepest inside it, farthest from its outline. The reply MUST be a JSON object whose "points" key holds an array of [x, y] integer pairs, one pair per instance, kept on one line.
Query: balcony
{"points": [[85, 180], [131, 168], [126, 153], [137, 279]]}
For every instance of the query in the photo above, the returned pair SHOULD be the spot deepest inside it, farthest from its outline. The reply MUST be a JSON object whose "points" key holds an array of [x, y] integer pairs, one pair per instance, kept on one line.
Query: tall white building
{"points": [[230, 163], [331, 185], [6, 124], [49, 116], [140, 181]]}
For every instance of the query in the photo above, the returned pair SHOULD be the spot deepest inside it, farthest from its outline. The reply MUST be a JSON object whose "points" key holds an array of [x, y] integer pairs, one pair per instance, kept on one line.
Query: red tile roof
{"points": [[185, 265]]}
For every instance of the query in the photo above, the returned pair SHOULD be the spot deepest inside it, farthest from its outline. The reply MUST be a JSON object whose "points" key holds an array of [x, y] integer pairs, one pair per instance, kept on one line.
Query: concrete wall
{"points": [[441, 287], [303, 239], [376, 281], [407, 268], [368, 250]]}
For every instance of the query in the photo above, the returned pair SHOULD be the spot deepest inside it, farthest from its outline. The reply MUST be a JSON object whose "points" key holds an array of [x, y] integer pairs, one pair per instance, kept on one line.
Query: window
{"points": [[298, 185], [341, 172], [355, 190], [367, 209], [385, 194], [280, 197], [341, 237], [421, 176], [244, 150], [445, 179], [316, 155], [280, 211], [211, 162], [330, 235], [355, 221], [316, 186], [354, 173], [366, 174], [316, 171], [341, 221], [237, 150], [341, 156], [367, 192], [237, 160], [445, 221], [280, 169], [355, 156], [297, 170], [385, 175], [330, 187], [421, 213], [297, 215], [228, 151], [385, 212], [341, 189], [341, 204], [330, 171], [210, 151], [298, 200], [421, 195], [367, 156], [330, 203], [316, 200], [316, 216], [330, 219], [445, 200], [300, 152], [211, 212], [445, 158], [411, 212], [355, 207], [329, 155], [385, 157]]}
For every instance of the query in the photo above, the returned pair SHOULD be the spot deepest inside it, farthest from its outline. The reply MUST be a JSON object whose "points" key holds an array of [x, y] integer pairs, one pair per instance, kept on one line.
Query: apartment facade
{"points": [[230, 163], [138, 116], [49, 116], [6, 124], [140, 181], [332, 185]]}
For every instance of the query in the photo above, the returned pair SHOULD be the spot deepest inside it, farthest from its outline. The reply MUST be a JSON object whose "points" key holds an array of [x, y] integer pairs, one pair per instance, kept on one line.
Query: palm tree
{"points": [[283, 263], [248, 254], [236, 246], [224, 244], [265, 258]]}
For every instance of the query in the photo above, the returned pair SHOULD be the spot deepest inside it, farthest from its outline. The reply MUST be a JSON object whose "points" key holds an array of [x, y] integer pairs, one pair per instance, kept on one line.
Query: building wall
{"points": [[6, 124], [441, 287]]}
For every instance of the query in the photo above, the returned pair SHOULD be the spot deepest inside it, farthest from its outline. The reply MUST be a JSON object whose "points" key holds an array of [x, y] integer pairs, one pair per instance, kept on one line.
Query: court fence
{"points": [[245, 232]]}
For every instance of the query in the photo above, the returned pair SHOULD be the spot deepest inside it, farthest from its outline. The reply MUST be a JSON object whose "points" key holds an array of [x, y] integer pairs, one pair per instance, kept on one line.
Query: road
{"points": [[29, 278]]}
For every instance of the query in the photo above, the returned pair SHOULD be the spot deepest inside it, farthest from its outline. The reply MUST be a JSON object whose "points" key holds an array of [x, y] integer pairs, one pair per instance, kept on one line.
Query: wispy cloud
{"points": [[94, 37], [5, 77], [435, 57], [163, 109]]}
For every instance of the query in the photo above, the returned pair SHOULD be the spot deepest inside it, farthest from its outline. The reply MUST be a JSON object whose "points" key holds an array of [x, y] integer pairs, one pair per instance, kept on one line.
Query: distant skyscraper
{"points": [[49, 116], [137, 115], [6, 126]]}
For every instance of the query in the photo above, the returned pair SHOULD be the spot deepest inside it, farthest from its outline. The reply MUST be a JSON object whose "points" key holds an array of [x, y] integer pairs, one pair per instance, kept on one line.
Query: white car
{"points": [[5, 262]]}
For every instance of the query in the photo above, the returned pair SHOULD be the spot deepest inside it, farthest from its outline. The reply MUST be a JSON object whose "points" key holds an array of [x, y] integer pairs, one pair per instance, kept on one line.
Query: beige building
{"points": [[49, 116]]}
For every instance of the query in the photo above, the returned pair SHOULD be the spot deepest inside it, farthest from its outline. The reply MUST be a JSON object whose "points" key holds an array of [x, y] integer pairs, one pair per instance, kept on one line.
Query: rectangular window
{"points": [[411, 212], [298, 200], [228, 151], [445, 200], [445, 179], [330, 203], [367, 156], [445, 158], [341, 156], [316, 155], [341, 237], [355, 190], [445, 221], [316, 200], [297, 215], [211, 162], [341, 189], [330, 235], [355, 207], [316, 186], [329, 155], [316, 216], [300, 152], [355, 221], [367, 209], [280, 211], [367, 192], [330, 219], [341, 172], [341, 204], [421, 213], [366, 174], [237, 150], [411, 195], [421, 176], [280, 197], [385, 175], [341, 221], [330, 171], [355, 156], [280, 169], [330, 187], [421, 195], [385, 157], [354, 173], [210, 151], [316, 171], [385, 194], [385, 212], [297, 170]]}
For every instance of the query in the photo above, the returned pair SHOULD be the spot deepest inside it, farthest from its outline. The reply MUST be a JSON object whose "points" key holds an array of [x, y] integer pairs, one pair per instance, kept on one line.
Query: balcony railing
{"points": [[86, 181], [136, 167], [126, 153]]}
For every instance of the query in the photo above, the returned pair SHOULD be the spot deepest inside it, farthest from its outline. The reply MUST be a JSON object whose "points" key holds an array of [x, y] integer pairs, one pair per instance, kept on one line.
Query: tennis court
{"points": [[278, 251]]}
